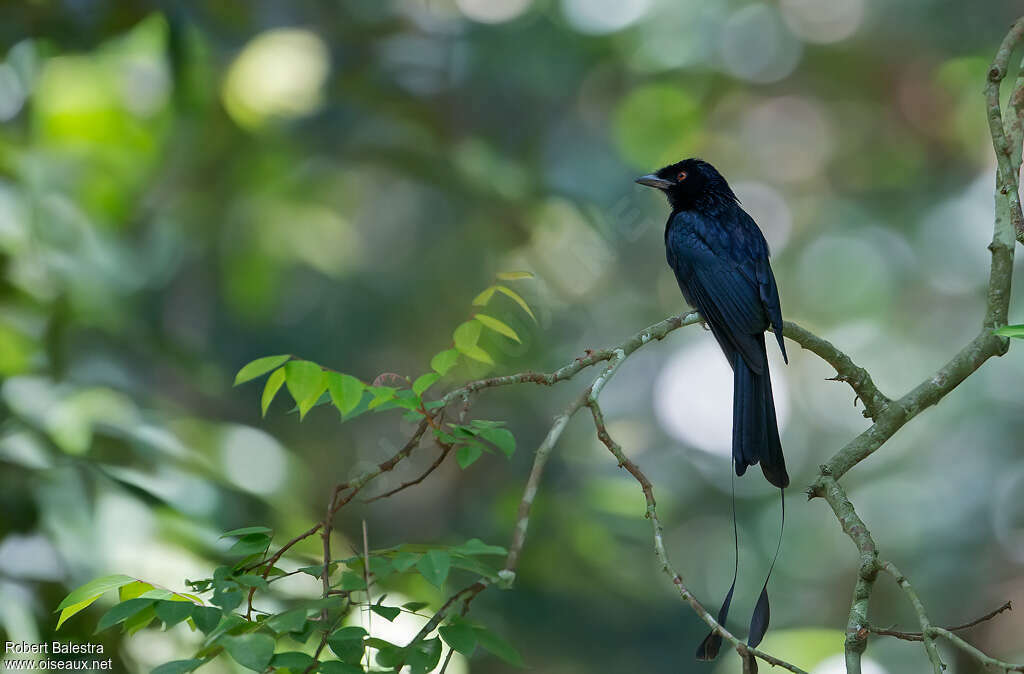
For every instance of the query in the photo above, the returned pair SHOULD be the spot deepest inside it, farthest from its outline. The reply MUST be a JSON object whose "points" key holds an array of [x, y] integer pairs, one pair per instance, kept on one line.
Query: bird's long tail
{"points": [[755, 429]]}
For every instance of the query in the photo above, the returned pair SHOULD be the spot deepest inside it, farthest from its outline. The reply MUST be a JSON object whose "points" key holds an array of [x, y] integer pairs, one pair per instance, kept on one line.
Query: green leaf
{"points": [[351, 581], [206, 618], [346, 391], [476, 353], [250, 544], [290, 621], [508, 292], [434, 566], [483, 298], [94, 588], [251, 580], [467, 335], [460, 636], [270, 389], [514, 275], [252, 651], [139, 620], [349, 632], [388, 654], [498, 646], [1011, 331], [425, 656], [444, 361], [381, 395], [475, 546], [178, 666], [122, 612], [415, 605], [389, 613], [405, 560], [75, 608], [245, 531], [259, 367], [133, 590], [306, 382], [293, 660], [473, 564], [466, 455], [347, 644], [423, 382], [173, 612], [335, 667], [501, 438], [497, 326], [227, 600]]}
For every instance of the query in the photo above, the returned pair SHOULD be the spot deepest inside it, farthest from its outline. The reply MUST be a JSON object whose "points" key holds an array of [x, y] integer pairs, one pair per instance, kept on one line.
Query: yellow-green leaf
{"points": [[476, 353], [306, 382], [273, 385], [134, 589], [444, 361], [466, 335], [259, 367], [423, 382], [93, 589], [381, 395], [514, 275], [497, 326], [483, 298], [75, 608], [346, 391], [517, 299]]}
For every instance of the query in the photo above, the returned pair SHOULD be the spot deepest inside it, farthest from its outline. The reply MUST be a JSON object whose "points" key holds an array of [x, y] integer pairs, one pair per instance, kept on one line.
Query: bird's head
{"points": [[691, 184]]}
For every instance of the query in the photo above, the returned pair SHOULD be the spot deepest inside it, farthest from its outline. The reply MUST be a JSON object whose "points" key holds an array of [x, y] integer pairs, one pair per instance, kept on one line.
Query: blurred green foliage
{"points": [[185, 188]]}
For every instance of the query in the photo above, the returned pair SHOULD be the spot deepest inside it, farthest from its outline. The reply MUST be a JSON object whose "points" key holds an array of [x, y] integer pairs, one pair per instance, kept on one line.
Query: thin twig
{"points": [[917, 636], [928, 638], [445, 449]]}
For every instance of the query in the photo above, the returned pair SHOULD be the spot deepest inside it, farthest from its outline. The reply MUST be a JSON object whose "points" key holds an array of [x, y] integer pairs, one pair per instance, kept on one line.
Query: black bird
{"points": [[720, 259]]}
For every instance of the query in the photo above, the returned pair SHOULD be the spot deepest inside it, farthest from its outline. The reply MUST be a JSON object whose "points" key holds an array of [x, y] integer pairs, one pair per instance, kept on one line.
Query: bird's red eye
{"points": [[681, 177]]}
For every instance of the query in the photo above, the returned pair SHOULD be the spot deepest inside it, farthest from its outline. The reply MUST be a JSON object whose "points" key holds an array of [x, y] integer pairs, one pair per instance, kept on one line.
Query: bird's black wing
{"points": [[769, 293], [719, 278]]}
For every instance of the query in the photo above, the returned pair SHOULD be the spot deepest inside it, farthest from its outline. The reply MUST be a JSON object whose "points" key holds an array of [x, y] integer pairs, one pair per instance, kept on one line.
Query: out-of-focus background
{"points": [[186, 187]]}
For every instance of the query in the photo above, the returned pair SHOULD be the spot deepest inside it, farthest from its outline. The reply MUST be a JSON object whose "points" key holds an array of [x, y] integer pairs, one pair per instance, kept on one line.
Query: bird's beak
{"points": [[652, 180]]}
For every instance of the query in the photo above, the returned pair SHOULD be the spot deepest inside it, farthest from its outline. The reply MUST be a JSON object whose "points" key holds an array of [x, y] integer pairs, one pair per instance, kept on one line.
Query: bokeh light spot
{"points": [[253, 460], [823, 21], [769, 209], [657, 125], [757, 46], [280, 73], [492, 11], [693, 397], [603, 16], [790, 136]]}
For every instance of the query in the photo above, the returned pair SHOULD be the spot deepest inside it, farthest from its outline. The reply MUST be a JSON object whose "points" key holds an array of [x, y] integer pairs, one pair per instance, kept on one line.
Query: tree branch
{"points": [[985, 660], [918, 636]]}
